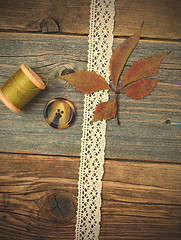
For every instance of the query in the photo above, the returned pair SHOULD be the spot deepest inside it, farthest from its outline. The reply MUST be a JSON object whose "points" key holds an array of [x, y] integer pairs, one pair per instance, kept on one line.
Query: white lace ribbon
{"points": [[93, 138]]}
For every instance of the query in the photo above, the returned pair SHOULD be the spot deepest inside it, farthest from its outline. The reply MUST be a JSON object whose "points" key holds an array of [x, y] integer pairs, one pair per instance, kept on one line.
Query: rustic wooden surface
{"points": [[141, 200], [39, 165], [162, 18], [157, 140]]}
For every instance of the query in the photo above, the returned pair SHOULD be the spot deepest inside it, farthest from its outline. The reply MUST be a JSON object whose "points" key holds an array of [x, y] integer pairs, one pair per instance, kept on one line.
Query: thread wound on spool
{"points": [[20, 88], [8, 103], [36, 80]]}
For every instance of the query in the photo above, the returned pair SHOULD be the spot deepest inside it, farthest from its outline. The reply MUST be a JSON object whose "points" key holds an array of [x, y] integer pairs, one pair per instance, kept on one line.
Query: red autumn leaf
{"points": [[143, 68], [105, 110], [141, 88], [87, 82], [121, 54]]}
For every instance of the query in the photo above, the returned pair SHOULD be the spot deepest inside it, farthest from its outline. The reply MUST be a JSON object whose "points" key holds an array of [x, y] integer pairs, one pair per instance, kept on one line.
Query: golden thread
{"points": [[19, 89]]}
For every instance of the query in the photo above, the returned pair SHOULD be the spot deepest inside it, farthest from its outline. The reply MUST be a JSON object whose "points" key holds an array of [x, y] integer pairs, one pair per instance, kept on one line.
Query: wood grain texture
{"points": [[38, 197], [162, 18], [150, 128], [38, 193]]}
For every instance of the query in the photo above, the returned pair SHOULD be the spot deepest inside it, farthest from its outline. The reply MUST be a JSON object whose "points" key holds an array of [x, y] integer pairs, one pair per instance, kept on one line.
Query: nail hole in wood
{"points": [[168, 121]]}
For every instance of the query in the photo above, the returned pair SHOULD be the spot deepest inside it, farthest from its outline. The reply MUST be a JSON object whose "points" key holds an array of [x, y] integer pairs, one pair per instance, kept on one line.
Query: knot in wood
{"points": [[49, 25], [67, 71], [61, 206]]}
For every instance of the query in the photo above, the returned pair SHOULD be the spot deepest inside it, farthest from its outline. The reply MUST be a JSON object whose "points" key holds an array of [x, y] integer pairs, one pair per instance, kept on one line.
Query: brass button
{"points": [[59, 113]]}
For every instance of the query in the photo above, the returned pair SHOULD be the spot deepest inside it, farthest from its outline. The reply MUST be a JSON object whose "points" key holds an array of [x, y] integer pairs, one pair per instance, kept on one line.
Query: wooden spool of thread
{"points": [[20, 88]]}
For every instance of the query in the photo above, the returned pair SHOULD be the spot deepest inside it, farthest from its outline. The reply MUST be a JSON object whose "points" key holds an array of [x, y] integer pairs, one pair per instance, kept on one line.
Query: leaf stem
{"points": [[112, 90], [120, 91], [117, 112]]}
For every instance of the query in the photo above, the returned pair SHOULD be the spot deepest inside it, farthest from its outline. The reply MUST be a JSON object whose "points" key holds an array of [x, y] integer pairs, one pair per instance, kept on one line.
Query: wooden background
{"points": [[141, 196]]}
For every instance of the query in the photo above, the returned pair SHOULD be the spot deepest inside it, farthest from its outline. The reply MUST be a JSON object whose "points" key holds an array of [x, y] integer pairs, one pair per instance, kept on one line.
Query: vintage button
{"points": [[59, 113]]}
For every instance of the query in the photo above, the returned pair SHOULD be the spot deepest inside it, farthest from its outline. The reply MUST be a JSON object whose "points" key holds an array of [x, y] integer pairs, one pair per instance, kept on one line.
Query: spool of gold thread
{"points": [[20, 88]]}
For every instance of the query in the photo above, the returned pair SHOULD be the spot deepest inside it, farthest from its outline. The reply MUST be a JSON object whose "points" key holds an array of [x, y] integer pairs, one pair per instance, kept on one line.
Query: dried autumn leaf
{"points": [[87, 82], [143, 68], [121, 54], [105, 110], [141, 88]]}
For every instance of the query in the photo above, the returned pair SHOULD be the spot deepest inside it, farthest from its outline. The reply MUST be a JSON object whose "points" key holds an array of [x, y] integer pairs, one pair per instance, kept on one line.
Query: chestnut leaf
{"points": [[87, 82], [121, 54], [105, 110], [143, 68], [141, 88], [136, 78]]}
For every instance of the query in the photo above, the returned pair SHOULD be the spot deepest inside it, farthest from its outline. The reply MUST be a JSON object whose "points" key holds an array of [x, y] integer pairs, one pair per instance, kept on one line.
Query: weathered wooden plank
{"points": [[162, 18], [140, 200], [144, 133]]}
